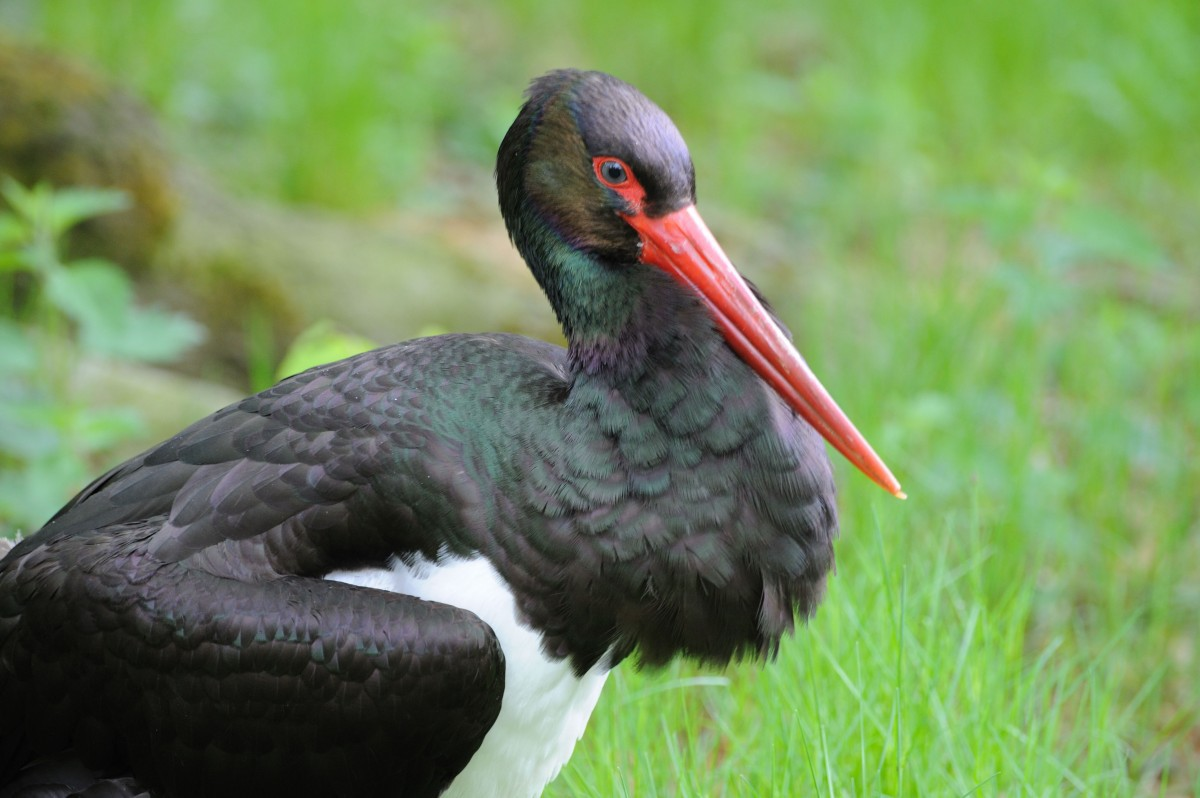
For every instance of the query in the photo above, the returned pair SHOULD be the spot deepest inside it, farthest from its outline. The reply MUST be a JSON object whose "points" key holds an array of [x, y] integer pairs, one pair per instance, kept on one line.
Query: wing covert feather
{"points": [[204, 685]]}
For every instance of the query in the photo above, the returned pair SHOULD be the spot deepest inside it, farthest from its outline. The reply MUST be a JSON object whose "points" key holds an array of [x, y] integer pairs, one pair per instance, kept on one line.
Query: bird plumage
{"points": [[191, 619]]}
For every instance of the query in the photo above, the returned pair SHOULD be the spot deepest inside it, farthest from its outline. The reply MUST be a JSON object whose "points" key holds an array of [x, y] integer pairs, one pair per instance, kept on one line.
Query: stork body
{"points": [[409, 573]]}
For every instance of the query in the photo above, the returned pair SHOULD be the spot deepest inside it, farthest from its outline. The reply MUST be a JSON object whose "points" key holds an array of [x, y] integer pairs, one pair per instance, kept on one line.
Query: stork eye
{"points": [[613, 172]]}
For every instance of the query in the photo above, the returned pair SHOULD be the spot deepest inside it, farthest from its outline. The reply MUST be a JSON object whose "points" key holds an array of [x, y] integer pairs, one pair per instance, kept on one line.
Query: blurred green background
{"points": [[979, 220]]}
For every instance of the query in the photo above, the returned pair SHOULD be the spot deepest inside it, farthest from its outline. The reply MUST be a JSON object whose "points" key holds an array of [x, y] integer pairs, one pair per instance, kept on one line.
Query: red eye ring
{"points": [[612, 172], [615, 174]]}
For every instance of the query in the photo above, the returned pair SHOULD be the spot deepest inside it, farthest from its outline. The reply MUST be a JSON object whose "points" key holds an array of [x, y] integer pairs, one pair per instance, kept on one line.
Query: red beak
{"points": [[682, 245]]}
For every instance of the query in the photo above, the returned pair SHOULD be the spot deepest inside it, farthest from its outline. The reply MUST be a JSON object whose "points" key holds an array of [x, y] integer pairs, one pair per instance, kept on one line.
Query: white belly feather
{"points": [[545, 706]]}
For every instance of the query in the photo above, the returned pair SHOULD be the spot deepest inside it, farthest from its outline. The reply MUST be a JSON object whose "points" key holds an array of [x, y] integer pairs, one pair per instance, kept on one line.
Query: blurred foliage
{"points": [[52, 313], [320, 343], [979, 220], [66, 125], [323, 342], [867, 107]]}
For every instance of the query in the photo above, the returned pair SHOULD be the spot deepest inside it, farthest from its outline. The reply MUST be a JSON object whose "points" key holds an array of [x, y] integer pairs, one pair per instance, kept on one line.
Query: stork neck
{"points": [[620, 318], [634, 319]]}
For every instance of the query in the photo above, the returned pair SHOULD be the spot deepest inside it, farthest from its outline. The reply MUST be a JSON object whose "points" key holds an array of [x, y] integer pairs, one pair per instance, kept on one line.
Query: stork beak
{"points": [[681, 244]]}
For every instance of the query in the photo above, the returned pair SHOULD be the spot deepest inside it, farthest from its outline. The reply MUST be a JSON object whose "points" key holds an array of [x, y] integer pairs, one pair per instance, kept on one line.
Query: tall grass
{"points": [[978, 218], [1025, 624]]}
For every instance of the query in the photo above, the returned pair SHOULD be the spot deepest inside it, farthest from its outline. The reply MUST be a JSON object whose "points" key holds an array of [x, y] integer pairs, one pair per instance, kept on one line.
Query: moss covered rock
{"points": [[64, 125], [255, 273]]}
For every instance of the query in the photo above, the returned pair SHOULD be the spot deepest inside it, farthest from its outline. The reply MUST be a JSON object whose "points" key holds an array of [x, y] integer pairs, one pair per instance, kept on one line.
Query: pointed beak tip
{"points": [[889, 483], [892, 485], [682, 245]]}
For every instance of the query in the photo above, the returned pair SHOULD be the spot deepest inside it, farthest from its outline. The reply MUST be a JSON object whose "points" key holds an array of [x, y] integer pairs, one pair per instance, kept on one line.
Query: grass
{"points": [[978, 219], [1025, 624]]}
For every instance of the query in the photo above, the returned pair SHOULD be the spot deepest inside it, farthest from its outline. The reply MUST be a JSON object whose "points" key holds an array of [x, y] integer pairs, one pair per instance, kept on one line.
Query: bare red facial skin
{"points": [[628, 189]]}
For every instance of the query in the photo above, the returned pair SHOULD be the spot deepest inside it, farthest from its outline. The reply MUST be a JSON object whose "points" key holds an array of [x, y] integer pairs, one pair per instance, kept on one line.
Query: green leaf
{"points": [[321, 343], [58, 210], [12, 261], [98, 297], [68, 207], [98, 429], [12, 232], [33, 493], [17, 353], [24, 201], [152, 335], [94, 294], [30, 428]]}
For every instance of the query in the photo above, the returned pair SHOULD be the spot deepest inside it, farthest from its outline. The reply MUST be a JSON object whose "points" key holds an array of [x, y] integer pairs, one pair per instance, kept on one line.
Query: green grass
{"points": [[1026, 623], [979, 220]]}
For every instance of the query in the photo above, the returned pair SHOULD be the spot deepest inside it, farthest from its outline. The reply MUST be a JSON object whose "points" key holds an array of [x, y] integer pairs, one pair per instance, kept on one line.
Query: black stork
{"points": [[408, 573]]}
